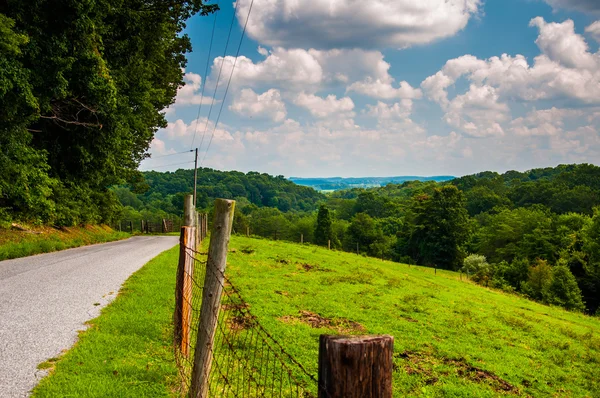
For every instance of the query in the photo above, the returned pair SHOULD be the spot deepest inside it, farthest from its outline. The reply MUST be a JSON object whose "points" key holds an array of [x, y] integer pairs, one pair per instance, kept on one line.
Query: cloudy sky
{"points": [[388, 87]]}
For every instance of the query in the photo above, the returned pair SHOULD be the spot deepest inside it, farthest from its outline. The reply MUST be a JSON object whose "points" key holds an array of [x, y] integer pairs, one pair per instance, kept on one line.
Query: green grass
{"points": [[15, 244], [453, 338], [127, 350]]}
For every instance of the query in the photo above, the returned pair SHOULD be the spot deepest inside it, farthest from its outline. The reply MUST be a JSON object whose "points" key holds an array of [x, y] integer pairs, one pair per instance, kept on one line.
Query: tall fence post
{"points": [[182, 319], [247, 232], [301, 238], [211, 296], [355, 366], [183, 288], [329, 244]]}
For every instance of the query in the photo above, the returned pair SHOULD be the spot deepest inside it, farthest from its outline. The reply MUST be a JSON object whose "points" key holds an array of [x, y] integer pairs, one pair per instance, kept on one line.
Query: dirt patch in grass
{"points": [[421, 364], [342, 325], [238, 317], [310, 267], [247, 250]]}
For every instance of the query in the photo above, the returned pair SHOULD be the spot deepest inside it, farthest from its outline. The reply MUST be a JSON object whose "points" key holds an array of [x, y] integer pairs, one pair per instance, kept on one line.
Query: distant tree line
{"points": [[535, 233]]}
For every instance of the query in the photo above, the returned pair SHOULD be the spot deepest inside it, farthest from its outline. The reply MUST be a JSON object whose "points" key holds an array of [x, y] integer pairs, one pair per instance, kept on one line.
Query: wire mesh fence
{"points": [[247, 361]]}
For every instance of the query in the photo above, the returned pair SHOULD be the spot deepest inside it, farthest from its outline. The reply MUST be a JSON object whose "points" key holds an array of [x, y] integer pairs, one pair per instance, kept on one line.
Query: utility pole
{"points": [[195, 176]]}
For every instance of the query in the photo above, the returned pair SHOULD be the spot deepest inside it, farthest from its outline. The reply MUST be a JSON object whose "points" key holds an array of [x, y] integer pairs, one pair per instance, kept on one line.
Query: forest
{"points": [[81, 100], [535, 233]]}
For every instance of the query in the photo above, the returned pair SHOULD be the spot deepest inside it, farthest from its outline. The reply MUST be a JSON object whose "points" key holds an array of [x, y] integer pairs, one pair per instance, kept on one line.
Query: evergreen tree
{"points": [[439, 229], [323, 230]]}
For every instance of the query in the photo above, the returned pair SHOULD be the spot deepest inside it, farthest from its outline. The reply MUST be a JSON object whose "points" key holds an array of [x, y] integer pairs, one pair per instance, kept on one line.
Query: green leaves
{"points": [[89, 79]]}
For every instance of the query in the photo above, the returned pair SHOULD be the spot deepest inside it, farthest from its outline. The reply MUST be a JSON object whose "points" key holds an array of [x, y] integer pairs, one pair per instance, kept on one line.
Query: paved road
{"points": [[45, 300]]}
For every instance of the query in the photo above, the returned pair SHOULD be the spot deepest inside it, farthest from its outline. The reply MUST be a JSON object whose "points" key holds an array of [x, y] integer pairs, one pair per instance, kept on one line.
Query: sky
{"points": [[356, 88]]}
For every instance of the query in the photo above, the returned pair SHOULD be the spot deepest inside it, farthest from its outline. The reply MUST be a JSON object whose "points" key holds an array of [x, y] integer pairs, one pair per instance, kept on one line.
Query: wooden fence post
{"points": [[188, 211], [142, 226], [301, 238], [247, 232], [205, 225], [329, 244], [211, 296], [355, 366], [182, 317]]}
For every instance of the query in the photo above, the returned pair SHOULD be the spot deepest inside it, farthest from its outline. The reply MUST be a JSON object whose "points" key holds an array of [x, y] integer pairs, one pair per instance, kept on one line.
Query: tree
{"points": [[85, 97], [363, 232], [477, 266], [438, 227], [563, 290], [323, 230], [540, 278]]}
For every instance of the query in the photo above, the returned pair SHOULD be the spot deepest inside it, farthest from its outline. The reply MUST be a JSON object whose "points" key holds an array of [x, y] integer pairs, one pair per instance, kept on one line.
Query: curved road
{"points": [[45, 300]]}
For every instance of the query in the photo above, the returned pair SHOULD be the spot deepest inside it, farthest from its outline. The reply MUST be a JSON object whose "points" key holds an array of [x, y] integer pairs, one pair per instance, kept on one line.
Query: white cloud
{"points": [[399, 110], [324, 107], [378, 88], [565, 70], [562, 45], [291, 68], [545, 122], [361, 71], [478, 112], [268, 104], [190, 93], [594, 30], [326, 24], [159, 148], [577, 5]]}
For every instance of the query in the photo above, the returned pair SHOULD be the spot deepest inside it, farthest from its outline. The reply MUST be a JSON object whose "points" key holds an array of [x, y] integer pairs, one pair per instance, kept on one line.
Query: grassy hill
{"points": [[452, 337]]}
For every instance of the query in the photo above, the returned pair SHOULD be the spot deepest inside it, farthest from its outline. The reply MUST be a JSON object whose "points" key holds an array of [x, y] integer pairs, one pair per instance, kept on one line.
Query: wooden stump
{"points": [[355, 366]]}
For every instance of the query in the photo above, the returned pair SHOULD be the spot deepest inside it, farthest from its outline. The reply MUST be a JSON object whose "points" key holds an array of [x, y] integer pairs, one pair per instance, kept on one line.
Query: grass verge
{"points": [[15, 244], [126, 351]]}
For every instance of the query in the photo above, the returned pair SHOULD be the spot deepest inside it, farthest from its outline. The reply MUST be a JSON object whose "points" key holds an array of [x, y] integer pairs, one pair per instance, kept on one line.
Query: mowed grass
{"points": [[127, 351], [453, 338], [15, 244]]}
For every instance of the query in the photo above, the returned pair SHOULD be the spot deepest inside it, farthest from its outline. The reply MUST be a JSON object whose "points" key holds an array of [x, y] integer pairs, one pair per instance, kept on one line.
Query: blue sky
{"points": [[389, 87]]}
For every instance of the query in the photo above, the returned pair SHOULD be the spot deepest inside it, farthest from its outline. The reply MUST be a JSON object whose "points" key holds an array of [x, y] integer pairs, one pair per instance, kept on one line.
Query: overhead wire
{"points": [[171, 154], [221, 67], [168, 165], [229, 81], [212, 35]]}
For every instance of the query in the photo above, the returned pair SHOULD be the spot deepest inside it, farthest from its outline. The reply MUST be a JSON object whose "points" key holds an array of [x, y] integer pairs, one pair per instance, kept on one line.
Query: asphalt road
{"points": [[45, 300]]}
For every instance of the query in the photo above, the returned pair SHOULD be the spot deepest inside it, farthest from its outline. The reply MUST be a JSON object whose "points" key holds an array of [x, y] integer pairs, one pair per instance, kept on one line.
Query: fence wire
{"points": [[247, 360]]}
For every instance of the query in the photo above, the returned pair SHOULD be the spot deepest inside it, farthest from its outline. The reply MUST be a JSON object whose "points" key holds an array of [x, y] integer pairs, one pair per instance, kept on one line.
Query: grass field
{"points": [[453, 338], [15, 244]]}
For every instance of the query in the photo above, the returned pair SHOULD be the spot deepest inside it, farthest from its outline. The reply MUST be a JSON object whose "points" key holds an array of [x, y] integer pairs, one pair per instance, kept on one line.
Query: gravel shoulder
{"points": [[46, 299]]}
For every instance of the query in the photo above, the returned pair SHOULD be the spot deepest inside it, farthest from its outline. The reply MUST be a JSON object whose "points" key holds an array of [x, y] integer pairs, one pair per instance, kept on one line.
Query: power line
{"points": [[170, 154], [168, 165], [221, 68], [212, 35], [229, 81]]}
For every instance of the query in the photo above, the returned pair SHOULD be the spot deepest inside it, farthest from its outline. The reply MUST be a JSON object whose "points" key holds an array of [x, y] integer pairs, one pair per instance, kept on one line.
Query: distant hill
{"points": [[337, 183]]}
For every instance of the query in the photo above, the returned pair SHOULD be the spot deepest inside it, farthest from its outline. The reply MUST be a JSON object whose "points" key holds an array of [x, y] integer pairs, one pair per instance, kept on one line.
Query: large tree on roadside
{"points": [[97, 83]]}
